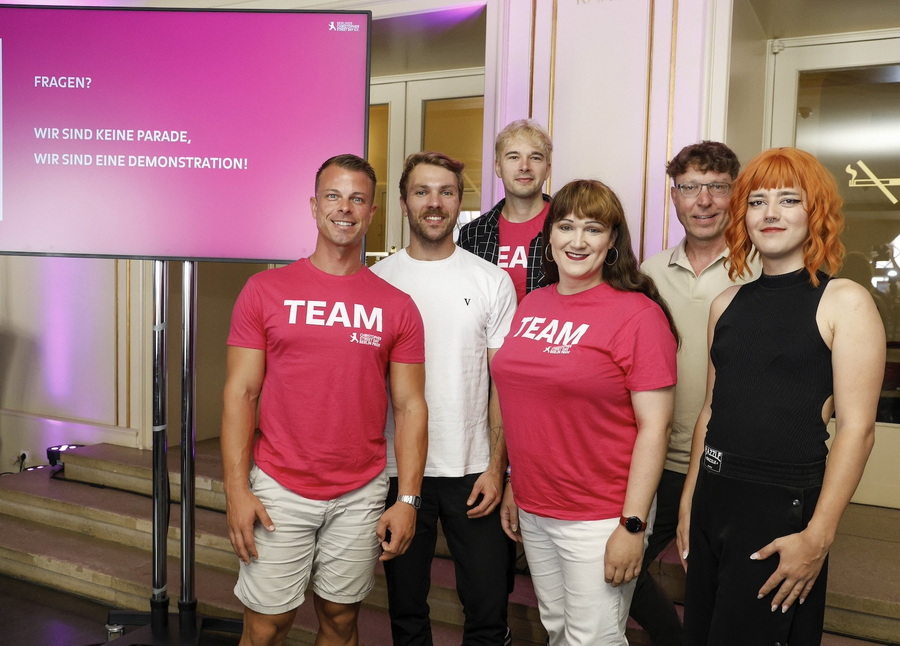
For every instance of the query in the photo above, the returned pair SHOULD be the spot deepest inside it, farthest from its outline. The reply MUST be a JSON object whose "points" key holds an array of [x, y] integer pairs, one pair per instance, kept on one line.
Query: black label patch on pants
{"points": [[712, 459]]}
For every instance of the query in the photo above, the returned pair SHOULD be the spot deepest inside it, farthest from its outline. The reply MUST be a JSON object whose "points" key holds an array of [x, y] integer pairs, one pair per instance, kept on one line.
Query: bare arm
{"points": [[653, 413], [851, 326], [243, 383], [410, 447], [509, 514], [719, 304], [490, 484]]}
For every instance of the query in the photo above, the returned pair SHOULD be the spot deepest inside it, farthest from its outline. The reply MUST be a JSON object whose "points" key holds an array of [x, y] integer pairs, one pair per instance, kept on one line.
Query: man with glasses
{"points": [[689, 276]]}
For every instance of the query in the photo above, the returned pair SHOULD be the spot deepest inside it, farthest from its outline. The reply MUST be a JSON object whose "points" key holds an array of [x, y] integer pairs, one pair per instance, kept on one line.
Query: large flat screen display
{"points": [[173, 134]]}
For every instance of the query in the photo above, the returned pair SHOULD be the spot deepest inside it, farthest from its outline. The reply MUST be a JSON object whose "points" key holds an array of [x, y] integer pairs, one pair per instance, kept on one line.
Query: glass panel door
{"points": [[387, 117], [454, 127], [379, 127], [848, 115], [413, 114], [841, 102]]}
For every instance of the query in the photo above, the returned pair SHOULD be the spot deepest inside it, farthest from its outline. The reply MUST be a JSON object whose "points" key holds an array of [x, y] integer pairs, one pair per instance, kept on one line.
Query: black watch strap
{"points": [[633, 524]]}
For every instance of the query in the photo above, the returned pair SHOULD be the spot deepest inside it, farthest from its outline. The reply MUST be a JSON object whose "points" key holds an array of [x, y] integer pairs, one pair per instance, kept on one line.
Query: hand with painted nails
{"points": [[682, 536], [800, 559]]}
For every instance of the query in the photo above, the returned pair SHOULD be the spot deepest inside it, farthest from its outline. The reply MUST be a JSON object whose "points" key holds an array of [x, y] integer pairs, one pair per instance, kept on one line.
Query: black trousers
{"points": [[480, 551], [651, 607], [733, 515]]}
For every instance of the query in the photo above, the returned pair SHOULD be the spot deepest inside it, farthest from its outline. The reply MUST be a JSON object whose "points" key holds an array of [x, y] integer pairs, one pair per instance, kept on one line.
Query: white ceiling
{"points": [[779, 18], [379, 8], [792, 18]]}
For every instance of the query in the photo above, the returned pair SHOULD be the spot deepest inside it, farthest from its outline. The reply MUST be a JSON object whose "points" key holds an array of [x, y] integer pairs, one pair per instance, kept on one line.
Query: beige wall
{"points": [[73, 343], [76, 361], [621, 86]]}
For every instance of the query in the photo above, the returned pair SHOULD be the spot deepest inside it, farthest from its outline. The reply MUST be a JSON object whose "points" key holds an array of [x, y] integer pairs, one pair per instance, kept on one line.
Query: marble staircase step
{"points": [[131, 470], [120, 576], [95, 541], [111, 515], [864, 583]]}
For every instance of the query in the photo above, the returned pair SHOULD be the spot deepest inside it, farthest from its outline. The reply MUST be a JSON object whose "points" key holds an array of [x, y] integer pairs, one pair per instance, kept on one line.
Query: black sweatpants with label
{"points": [[731, 518]]}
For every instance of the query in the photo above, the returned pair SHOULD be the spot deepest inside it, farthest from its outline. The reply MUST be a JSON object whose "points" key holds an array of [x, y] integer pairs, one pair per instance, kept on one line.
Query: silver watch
{"points": [[415, 501]]}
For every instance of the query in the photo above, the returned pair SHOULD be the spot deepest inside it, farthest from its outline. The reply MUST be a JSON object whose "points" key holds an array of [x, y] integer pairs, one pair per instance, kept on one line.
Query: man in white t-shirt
{"points": [[467, 305], [509, 235]]}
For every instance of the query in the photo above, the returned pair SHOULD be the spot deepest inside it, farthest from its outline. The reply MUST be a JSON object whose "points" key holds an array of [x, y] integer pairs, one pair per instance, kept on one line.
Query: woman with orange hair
{"points": [[760, 507]]}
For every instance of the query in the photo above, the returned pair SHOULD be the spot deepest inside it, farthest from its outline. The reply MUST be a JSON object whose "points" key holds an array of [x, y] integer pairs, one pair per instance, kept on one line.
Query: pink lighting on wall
{"points": [[60, 296]]}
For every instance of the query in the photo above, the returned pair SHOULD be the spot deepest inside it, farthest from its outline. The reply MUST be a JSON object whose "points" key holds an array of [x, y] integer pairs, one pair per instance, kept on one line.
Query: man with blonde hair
{"points": [[509, 235]]}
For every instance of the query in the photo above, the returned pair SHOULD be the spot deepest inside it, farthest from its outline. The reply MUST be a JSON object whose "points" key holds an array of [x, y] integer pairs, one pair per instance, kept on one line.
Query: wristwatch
{"points": [[415, 501], [633, 524]]}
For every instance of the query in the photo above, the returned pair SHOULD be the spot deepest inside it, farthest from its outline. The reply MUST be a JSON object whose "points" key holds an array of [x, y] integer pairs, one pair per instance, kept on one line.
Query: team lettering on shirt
{"points": [[337, 314], [560, 336], [518, 257]]}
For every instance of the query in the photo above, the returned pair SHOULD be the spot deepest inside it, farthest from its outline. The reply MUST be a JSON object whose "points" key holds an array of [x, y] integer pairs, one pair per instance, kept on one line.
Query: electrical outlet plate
{"points": [[27, 455]]}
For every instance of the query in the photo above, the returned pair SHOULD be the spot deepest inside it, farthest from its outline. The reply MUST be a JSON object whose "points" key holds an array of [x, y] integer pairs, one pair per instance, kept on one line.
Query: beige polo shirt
{"points": [[689, 297]]}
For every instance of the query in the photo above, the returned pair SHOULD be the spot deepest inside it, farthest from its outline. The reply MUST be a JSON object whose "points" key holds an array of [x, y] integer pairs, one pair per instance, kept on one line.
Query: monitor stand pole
{"points": [[159, 627]]}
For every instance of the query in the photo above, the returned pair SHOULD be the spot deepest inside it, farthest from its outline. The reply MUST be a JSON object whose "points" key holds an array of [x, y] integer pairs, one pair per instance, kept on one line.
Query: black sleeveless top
{"points": [[773, 372]]}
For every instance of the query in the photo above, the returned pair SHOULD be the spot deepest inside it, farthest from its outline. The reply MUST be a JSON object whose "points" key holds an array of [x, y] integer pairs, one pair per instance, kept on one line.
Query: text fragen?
{"points": [[65, 82]]}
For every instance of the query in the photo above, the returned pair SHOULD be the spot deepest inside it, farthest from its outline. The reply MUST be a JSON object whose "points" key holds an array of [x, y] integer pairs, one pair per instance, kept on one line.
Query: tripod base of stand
{"points": [[160, 628]]}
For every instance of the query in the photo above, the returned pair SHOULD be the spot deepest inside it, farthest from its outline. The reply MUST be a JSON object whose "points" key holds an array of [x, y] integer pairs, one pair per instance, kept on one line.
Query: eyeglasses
{"points": [[716, 189]]}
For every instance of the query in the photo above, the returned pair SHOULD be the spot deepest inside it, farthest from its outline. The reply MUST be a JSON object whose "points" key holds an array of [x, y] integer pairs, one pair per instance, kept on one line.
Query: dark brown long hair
{"points": [[590, 199]]}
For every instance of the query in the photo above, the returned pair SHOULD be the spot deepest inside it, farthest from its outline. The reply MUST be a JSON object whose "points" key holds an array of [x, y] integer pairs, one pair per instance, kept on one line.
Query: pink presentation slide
{"points": [[173, 134]]}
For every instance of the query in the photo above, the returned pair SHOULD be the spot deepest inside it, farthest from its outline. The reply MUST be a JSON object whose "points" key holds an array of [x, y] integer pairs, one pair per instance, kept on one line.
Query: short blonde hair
{"points": [[527, 129]]}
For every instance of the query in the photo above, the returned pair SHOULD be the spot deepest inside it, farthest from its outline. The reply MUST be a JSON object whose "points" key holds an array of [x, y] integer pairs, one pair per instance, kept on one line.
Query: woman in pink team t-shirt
{"points": [[586, 387]]}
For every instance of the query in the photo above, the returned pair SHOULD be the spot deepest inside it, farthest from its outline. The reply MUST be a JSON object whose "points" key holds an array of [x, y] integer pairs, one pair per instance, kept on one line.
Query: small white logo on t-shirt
{"points": [[365, 339]]}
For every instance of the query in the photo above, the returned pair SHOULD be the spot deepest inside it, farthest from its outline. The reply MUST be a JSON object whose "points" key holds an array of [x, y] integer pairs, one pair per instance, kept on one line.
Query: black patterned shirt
{"points": [[481, 236]]}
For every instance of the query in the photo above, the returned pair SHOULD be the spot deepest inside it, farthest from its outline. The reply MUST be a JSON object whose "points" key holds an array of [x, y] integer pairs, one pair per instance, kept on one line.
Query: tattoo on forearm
{"points": [[494, 439]]}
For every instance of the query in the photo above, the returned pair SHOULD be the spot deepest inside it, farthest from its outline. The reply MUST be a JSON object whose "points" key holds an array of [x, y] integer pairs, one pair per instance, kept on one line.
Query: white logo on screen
{"points": [[343, 26]]}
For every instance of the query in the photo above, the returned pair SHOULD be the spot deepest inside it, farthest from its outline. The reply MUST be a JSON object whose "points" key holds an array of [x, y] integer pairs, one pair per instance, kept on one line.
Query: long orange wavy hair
{"points": [[789, 168]]}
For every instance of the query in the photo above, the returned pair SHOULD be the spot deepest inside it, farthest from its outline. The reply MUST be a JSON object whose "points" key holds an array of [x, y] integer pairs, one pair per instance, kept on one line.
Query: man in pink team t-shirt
{"points": [[509, 235], [311, 344]]}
